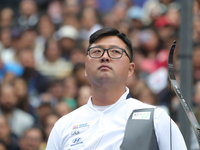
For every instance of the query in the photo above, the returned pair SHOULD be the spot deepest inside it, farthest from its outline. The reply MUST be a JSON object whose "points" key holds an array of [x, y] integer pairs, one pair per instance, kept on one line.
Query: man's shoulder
{"points": [[75, 113], [137, 104], [75, 117]]}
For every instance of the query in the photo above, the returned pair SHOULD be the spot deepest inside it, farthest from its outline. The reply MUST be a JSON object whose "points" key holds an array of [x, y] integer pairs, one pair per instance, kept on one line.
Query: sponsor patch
{"points": [[76, 142], [76, 129], [83, 125], [141, 115]]}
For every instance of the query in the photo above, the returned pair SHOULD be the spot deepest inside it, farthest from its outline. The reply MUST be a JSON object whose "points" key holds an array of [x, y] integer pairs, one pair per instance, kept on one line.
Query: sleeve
{"points": [[167, 132], [53, 142]]}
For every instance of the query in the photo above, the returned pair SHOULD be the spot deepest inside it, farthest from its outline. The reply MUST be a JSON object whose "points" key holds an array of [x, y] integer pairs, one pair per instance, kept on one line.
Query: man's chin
{"points": [[7, 109]]}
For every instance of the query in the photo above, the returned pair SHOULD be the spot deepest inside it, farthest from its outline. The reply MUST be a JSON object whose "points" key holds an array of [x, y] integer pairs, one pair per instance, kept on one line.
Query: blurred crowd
{"points": [[43, 44]]}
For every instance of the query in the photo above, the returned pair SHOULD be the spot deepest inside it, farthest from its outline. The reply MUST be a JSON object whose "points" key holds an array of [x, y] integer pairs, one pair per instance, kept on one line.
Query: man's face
{"points": [[8, 99], [31, 140], [106, 69]]}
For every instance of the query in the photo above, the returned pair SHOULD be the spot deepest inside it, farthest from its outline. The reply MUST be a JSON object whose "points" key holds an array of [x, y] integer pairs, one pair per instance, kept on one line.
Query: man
{"points": [[101, 123], [18, 119], [6, 135], [31, 139]]}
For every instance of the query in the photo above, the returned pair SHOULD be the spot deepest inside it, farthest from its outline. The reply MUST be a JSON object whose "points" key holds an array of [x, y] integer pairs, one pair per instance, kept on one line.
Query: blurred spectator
{"points": [[78, 56], [119, 10], [125, 27], [36, 82], [72, 20], [12, 68], [90, 3], [29, 40], [32, 139], [46, 30], [14, 5], [6, 135], [173, 15], [155, 56], [61, 67], [69, 91], [6, 49], [42, 5], [134, 35], [48, 124], [17, 42], [196, 29], [135, 14], [62, 108], [46, 27], [196, 100], [23, 97], [70, 8], [28, 14], [45, 107], [196, 109], [6, 17], [18, 119], [83, 94], [135, 84], [196, 63], [147, 96], [152, 10], [79, 74], [109, 20], [89, 22], [56, 90], [67, 36], [54, 10], [196, 7]]}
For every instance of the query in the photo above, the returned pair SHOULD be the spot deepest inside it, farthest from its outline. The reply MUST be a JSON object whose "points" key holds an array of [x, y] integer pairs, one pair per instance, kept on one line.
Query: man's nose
{"points": [[105, 57]]}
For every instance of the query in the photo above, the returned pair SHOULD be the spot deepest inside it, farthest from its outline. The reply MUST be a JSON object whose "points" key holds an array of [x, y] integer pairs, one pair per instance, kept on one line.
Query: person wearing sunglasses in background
{"points": [[102, 122]]}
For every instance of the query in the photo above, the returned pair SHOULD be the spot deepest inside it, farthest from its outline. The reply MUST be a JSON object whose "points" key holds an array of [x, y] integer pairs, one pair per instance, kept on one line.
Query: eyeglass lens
{"points": [[112, 52]]}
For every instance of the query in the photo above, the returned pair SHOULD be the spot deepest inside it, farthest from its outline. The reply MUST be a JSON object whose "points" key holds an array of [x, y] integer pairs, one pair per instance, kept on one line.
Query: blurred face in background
{"points": [[28, 38], [89, 18], [52, 51], [50, 120], [83, 95], [31, 140], [149, 40], [28, 8], [46, 27], [26, 58], [6, 17], [8, 98], [21, 87], [5, 37], [69, 87]]}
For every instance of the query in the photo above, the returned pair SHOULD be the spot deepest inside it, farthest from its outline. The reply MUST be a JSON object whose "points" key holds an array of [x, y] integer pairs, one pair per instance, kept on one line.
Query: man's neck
{"points": [[103, 96]]}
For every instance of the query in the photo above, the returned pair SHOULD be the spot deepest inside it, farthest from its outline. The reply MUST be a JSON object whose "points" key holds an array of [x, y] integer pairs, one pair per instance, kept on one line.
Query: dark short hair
{"points": [[109, 31]]}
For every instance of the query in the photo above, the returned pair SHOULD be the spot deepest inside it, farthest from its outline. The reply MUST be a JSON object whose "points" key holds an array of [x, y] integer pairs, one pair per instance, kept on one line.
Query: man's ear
{"points": [[131, 69], [85, 73]]}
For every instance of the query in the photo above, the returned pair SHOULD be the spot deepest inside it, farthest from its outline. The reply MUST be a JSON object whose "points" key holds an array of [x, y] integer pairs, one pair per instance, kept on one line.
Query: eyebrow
{"points": [[110, 46]]}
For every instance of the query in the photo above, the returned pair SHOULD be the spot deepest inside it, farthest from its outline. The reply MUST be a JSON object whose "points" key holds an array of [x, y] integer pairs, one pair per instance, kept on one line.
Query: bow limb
{"points": [[187, 108]]}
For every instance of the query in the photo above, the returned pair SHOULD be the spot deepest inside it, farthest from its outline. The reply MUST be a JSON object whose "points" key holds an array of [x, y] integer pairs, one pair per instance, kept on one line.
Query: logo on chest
{"points": [[76, 142], [76, 129]]}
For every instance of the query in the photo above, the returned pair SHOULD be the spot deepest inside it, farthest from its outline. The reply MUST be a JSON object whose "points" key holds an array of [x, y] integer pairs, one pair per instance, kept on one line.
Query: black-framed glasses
{"points": [[114, 52]]}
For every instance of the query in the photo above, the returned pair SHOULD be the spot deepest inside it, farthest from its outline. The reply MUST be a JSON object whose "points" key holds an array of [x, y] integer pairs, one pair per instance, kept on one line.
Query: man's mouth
{"points": [[104, 67]]}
